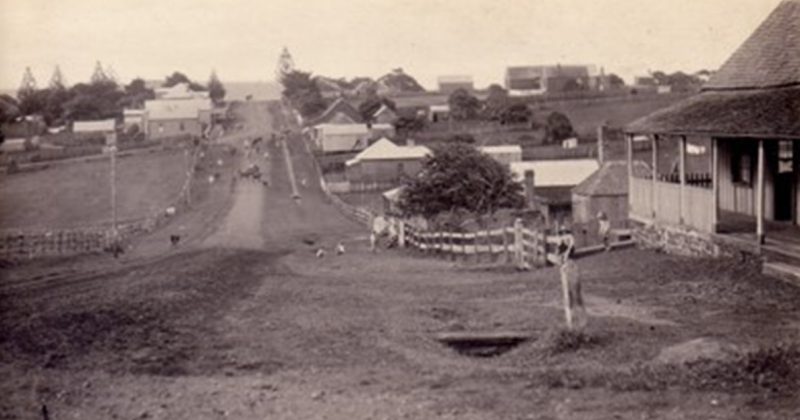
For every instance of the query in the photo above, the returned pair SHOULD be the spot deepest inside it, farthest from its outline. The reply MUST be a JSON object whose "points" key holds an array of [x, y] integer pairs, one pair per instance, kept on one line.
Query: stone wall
{"points": [[676, 240]]}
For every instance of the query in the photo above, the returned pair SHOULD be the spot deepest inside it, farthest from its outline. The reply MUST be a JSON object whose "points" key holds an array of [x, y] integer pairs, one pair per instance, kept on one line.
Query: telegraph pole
{"points": [[111, 148]]}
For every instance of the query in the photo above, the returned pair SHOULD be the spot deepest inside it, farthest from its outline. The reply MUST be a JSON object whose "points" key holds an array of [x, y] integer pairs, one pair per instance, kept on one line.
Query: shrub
{"points": [[564, 340]]}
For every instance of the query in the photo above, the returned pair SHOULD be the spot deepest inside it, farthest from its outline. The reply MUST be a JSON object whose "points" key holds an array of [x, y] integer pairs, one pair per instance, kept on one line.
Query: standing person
{"points": [[604, 229], [574, 309]]}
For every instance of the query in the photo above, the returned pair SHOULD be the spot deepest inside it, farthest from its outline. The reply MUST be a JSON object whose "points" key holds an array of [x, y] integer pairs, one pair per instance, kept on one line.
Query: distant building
{"points": [[437, 113], [385, 162], [384, 115], [97, 128], [135, 117], [552, 184], [536, 80], [168, 118], [505, 154], [339, 112], [449, 84]]}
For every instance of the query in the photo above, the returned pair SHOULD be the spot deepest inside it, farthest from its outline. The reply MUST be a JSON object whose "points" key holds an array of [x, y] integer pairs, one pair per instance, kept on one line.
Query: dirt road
{"points": [[246, 323]]}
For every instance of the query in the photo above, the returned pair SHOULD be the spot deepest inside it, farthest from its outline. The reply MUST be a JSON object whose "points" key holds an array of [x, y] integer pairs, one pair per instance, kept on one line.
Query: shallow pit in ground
{"points": [[482, 344]]}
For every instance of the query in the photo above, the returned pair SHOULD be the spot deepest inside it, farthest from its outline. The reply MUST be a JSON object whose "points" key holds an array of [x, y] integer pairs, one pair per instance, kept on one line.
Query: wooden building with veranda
{"points": [[748, 114]]}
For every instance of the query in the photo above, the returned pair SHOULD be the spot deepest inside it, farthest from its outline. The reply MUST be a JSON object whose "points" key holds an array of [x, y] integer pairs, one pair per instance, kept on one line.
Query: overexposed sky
{"points": [[242, 39]]}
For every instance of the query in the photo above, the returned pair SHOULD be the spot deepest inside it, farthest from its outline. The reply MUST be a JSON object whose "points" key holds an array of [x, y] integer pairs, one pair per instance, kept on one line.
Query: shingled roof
{"points": [[755, 94], [611, 179], [769, 58]]}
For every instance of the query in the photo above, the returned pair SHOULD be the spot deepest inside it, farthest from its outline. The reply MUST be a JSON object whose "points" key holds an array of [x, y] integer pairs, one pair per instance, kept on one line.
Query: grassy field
{"points": [[78, 193]]}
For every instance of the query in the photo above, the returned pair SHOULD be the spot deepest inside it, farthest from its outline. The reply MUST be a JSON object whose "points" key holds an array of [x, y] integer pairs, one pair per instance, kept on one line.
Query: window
{"points": [[785, 157]]}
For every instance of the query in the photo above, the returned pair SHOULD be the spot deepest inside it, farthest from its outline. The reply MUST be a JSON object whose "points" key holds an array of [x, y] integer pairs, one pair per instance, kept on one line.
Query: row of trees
{"points": [[302, 91], [102, 97]]}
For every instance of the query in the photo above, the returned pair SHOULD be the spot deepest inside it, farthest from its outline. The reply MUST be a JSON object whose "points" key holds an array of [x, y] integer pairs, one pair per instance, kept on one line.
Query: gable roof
{"points": [[755, 94], [385, 149], [770, 57], [338, 106], [382, 110], [556, 173], [611, 179]]}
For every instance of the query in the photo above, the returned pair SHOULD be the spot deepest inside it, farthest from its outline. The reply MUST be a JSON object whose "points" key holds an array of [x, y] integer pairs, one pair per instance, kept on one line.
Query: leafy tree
{"points": [[407, 125], [9, 109], [464, 138], [91, 101], [136, 92], [615, 81], [216, 91], [496, 102], [303, 93], [178, 77], [463, 106], [516, 113], [460, 178], [558, 127]]}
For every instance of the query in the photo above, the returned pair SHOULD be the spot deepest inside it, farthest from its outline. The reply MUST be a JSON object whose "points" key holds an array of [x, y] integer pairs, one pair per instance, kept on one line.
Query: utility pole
{"points": [[111, 148]]}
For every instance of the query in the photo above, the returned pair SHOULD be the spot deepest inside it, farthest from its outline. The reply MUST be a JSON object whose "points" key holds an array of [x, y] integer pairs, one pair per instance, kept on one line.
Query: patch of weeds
{"points": [[564, 341], [775, 369]]}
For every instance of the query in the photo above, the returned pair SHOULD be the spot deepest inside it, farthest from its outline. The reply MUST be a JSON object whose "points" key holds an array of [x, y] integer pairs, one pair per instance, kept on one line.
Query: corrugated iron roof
{"points": [[176, 109], [556, 173], [386, 149], [94, 126]]}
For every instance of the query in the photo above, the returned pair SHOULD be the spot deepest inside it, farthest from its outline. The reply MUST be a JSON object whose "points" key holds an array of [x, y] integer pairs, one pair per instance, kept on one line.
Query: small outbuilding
{"points": [[606, 190]]}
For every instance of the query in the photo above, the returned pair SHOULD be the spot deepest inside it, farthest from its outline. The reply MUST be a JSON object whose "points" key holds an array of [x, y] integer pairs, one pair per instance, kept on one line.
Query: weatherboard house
{"points": [[386, 162], [749, 113]]}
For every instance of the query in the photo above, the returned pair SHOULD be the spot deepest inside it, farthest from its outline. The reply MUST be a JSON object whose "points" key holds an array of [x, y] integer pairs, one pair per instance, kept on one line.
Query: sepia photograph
{"points": [[400, 209]]}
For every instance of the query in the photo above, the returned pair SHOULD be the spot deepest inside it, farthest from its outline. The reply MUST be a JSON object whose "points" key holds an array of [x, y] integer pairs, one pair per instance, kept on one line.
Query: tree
{"points": [[460, 178], [92, 101], [558, 127], [216, 91], [136, 92], [9, 109], [615, 81], [31, 100], [303, 93], [178, 78], [99, 75], [496, 102], [463, 106], [516, 113], [408, 125]]}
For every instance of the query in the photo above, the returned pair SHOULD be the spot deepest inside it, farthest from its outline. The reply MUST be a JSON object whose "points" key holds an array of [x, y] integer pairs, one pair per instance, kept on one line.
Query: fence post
{"points": [[518, 251], [401, 233], [506, 253]]}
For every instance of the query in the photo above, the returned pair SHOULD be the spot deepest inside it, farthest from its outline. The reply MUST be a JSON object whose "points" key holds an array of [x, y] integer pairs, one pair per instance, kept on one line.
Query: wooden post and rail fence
{"points": [[514, 245]]}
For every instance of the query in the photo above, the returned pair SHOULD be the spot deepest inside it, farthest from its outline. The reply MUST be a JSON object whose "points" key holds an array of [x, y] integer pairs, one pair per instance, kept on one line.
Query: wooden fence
{"points": [[27, 244], [517, 246]]}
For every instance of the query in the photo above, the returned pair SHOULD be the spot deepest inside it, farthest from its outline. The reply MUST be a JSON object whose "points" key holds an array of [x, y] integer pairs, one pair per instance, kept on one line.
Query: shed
{"points": [[552, 183], [605, 190]]}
